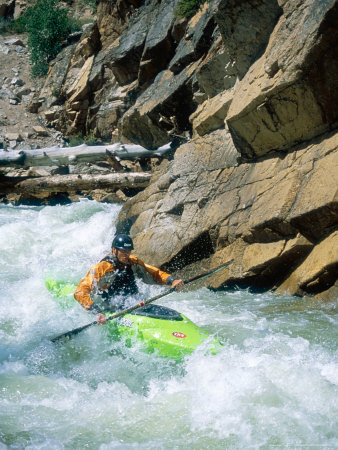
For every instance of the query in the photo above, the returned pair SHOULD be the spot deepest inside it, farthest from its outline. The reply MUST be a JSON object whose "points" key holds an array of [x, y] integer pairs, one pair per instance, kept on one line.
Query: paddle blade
{"points": [[72, 332]]}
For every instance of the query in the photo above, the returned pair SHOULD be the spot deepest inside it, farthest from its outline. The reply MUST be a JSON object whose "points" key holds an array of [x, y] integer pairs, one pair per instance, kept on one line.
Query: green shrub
{"points": [[79, 138], [90, 138], [47, 25], [187, 8], [5, 25], [75, 140], [18, 25]]}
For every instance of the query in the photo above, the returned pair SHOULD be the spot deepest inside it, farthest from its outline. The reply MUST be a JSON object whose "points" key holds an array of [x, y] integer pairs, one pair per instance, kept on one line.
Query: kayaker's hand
{"points": [[101, 319], [177, 284]]}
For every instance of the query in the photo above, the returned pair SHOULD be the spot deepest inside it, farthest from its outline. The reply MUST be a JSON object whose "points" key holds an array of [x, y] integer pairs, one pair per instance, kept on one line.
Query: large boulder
{"points": [[210, 115], [318, 272], [196, 208], [290, 94]]}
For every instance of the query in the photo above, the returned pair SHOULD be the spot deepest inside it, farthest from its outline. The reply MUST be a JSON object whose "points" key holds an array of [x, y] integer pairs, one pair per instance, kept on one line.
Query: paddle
{"points": [[139, 305]]}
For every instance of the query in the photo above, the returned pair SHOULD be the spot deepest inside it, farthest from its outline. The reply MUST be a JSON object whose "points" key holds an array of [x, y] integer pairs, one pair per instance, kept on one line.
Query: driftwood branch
{"points": [[73, 183], [58, 156]]}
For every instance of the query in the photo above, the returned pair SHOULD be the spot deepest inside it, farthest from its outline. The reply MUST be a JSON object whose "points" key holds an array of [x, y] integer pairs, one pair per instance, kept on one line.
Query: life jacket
{"points": [[124, 282], [109, 280]]}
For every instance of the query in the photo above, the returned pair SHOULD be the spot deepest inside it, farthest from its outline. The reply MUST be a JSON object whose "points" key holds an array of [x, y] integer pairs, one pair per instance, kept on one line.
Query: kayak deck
{"points": [[162, 330]]}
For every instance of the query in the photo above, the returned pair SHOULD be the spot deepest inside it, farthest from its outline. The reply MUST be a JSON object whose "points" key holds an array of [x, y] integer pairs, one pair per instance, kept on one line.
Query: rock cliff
{"points": [[251, 87]]}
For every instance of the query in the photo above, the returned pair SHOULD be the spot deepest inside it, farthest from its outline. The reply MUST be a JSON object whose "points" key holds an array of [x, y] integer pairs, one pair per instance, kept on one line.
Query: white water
{"points": [[274, 384]]}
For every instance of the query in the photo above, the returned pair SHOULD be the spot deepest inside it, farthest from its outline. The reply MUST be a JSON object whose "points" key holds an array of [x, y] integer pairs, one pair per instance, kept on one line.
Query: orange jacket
{"points": [[101, 276]]}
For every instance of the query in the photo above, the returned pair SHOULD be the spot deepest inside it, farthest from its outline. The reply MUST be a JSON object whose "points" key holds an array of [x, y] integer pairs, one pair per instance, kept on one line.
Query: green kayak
{"points": [[159, 329]]}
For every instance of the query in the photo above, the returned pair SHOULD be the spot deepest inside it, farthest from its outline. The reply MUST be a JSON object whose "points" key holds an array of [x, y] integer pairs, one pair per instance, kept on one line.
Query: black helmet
{"points": [[122, 242]]}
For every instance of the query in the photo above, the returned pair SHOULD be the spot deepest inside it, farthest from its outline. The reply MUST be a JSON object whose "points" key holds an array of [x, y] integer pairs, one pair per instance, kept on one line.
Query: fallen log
{"points": [[59, 156], [74, 183]]}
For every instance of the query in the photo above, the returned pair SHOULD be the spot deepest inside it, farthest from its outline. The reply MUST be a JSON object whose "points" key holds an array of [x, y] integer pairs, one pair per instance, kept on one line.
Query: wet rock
{"points": [[330, 295], [103, 196], [248, 214]]}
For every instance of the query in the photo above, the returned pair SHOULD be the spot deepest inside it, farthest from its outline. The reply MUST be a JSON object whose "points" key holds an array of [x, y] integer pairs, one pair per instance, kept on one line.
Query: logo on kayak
{"points": [[179, 335]]}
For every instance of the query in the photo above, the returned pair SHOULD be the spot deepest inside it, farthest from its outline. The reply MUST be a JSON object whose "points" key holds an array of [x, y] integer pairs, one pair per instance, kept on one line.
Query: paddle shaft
{"points": [[139, 305]]}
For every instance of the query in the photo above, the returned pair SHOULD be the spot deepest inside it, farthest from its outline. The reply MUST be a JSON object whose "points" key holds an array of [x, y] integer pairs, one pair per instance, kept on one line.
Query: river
{"points": [[273, 385]]}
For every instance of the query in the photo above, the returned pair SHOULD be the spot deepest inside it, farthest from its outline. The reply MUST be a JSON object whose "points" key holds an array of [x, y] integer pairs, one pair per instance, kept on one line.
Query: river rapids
{"points": [[273, 385]]}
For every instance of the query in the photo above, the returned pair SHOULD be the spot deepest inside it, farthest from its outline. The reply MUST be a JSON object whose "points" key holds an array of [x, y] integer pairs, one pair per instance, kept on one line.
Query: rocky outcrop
{"points": [[267, 215], [319, 270], [290, 94], [245, 28], [250, 86]]}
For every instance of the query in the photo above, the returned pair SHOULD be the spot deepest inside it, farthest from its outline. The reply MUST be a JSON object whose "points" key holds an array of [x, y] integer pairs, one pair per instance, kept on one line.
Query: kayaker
{"points": [[114, 276]]}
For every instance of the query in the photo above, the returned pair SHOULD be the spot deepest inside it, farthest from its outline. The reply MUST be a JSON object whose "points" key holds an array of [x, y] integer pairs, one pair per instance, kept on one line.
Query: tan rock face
{"points": [[247, 212], [283, 99], [77, 102], [211, 114], [320, 268]]}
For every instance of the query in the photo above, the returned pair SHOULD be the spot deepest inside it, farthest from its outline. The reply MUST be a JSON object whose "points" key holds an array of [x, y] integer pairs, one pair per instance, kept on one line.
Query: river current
{"points": [[273, 385]]}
